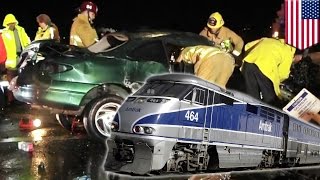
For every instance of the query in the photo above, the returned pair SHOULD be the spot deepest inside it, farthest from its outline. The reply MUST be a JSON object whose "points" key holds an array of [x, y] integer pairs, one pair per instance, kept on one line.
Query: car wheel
{"points": [[99, 115], [65, 120]]}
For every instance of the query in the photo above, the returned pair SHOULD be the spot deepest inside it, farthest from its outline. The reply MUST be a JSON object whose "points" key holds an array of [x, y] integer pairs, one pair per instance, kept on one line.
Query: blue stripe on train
{"points": [[226, 117]]}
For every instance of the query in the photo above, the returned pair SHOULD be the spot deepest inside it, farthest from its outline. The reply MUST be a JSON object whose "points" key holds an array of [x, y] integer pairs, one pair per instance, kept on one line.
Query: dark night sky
{"points": [[185, 15]]}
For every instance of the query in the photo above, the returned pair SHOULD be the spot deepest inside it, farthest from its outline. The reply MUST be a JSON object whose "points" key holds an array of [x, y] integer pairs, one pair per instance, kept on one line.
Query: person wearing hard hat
{"points": [[82, 33], [15, 40], [211, 63], [266, 64], [216, 32]]}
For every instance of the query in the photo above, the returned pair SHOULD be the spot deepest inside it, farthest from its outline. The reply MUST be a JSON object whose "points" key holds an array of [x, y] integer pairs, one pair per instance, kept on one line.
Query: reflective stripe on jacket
{"points": [[10, 44], [225, 34], [211, 63], [48, 33]]}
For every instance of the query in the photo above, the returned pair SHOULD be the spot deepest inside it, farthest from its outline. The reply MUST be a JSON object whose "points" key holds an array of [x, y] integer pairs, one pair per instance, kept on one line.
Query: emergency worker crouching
{"points": [[266, 64], [210, 63]]}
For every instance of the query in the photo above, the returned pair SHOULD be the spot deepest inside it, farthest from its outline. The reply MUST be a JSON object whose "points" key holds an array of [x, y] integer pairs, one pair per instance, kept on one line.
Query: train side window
{"points": [[227, 100], [196, 96], [199, 96], [211, 98], [188, 97], [267, 113], [252, 109], [219, 98]]}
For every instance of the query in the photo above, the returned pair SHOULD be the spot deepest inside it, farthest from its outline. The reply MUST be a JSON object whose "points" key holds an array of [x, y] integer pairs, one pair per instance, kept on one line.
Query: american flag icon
{"points": [[302, 23]]}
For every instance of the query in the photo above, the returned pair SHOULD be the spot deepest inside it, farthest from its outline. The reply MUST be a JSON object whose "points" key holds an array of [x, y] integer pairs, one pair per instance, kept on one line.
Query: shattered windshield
{"points": [[108, 42]]}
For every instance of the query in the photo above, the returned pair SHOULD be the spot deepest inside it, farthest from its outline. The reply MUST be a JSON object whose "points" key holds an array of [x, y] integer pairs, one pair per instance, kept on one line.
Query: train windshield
{"points": [[167, 89]]}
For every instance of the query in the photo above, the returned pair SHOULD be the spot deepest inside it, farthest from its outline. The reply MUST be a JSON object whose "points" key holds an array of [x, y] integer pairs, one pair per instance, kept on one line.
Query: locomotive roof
{"points": [[192, 79]]}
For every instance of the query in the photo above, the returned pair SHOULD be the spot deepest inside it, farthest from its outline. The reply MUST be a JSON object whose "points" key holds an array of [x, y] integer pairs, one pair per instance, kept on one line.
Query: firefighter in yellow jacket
{"points": [[82, 33], [266, 64], [211, 63], [216, 32]]}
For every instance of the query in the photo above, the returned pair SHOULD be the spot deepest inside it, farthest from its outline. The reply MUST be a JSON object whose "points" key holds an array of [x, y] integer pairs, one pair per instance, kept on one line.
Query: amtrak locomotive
{"points": [[181, 123]]}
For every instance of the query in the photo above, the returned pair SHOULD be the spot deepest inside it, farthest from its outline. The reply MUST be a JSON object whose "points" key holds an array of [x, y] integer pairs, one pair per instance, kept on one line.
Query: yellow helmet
{"points": [[9, 19], [215, 20]]}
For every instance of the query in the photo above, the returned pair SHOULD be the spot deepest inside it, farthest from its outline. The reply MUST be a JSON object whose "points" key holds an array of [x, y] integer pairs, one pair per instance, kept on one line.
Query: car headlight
{"points": [[29, 53]]}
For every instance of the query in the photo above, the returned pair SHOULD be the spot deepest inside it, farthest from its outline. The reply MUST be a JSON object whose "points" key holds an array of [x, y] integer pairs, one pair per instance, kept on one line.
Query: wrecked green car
{"points": [[89, 84]]}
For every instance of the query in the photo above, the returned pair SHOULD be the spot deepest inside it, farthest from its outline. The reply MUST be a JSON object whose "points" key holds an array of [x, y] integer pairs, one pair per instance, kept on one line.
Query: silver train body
{"points": [[178, 122]]}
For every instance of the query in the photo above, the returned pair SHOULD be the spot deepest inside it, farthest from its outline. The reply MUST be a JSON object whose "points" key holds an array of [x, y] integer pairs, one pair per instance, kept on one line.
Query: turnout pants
{"points": [[256, 83]]}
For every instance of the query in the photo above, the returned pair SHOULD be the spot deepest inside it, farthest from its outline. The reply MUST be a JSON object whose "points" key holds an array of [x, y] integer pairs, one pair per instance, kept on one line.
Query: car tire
{"points": [[104, 107], [65, 120]]}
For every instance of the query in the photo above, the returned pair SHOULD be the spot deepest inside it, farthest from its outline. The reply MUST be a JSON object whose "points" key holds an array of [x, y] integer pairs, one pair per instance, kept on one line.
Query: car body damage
{"points": [[70, 80]]}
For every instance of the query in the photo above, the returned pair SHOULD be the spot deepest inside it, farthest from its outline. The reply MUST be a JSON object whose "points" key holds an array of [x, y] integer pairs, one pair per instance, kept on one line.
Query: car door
{"points": [[150, 59]]}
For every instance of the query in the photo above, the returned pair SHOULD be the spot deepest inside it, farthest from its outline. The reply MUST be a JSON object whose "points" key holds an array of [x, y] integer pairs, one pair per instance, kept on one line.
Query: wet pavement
{"points": [[57, 153]]}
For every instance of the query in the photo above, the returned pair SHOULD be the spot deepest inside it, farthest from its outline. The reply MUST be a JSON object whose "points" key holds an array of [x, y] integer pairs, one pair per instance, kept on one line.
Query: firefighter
{"points": [[47, 29], [266, 63], [82, 33], [211, 63], [216, 32]]}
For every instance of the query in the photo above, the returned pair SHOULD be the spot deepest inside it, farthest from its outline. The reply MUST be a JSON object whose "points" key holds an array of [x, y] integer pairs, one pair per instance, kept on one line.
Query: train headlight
{"points": [[148, 130], [143, 130], [138, 129], [114, 126]]}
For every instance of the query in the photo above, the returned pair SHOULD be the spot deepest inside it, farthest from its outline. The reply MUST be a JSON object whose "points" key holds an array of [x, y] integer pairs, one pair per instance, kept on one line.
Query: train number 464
{"points": [[191, 116]]}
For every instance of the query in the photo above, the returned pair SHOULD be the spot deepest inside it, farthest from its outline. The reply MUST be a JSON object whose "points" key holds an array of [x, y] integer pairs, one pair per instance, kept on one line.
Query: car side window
{"points": [[150, 51]]}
